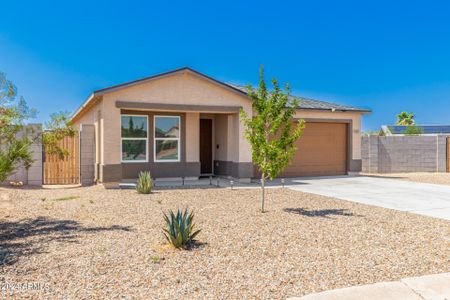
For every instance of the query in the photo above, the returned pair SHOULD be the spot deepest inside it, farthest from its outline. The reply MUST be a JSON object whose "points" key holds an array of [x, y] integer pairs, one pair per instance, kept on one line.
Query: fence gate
{"points": [[65, 170]]}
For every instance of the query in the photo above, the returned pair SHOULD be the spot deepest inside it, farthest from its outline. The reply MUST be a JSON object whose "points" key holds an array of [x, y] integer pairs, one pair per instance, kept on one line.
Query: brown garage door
{"points": [[322, 150]]}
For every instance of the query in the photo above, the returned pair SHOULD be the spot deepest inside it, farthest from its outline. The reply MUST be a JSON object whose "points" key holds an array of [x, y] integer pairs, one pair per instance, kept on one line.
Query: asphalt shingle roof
{"points": [[308, 103]]}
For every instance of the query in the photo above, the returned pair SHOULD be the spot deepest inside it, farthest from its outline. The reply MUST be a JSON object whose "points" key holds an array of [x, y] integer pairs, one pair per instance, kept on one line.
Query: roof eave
{"points": [[82, 106], [361, 111]]}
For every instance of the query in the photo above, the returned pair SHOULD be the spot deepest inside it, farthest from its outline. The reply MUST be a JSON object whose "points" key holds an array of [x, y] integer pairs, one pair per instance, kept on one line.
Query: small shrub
{"points": [[413, 130], [145, 183], [155, 259], [179, 230]]}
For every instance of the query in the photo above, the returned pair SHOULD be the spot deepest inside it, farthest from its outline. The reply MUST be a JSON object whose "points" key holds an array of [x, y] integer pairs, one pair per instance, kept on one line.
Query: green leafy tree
{"points": [[404, 118], [270, 130], [413, 130], [15, 138], [57, 128]]}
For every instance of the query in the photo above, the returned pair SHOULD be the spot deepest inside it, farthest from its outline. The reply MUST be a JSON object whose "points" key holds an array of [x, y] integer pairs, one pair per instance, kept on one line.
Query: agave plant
{"points": [[145, 183], [179, 230]]}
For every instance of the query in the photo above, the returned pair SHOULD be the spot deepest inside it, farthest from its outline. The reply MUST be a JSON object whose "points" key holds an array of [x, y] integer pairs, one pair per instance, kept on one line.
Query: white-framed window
{"points": [[134, 138], [166, 137]]}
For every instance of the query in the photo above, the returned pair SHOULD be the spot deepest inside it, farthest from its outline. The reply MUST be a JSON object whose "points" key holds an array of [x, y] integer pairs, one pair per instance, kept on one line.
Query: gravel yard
{"points": [[90, 242], [435, 178]]}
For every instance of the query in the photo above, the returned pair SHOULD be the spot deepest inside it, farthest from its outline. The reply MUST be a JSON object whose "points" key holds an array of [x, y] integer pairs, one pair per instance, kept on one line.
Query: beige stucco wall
{"points": [[90, 116], [329, 115], [179, 88], [110, 132], [221, 137], [93, 116], [237, 143], [192, 137]]}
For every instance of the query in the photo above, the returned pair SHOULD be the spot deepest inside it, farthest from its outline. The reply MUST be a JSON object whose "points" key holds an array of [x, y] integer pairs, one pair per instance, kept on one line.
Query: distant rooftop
{"points": [[427, 129]]}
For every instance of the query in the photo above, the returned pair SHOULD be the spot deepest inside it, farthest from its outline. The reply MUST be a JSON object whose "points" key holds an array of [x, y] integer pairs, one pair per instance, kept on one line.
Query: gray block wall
{"points": [[442, 153], [32, 175], [87, 154], [396, 154]]}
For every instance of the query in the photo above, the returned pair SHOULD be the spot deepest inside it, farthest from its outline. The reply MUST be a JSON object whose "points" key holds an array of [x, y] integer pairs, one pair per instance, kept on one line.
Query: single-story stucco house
{"points": [[183, 123]]}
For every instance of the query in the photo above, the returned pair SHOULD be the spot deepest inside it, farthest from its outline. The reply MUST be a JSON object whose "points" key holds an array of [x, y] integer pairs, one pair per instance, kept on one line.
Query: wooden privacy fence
{"points": [[65, 170]]}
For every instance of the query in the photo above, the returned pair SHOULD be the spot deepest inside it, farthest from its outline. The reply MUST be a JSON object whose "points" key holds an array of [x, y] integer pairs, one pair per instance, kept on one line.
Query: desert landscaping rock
{"points": [[5, 203], [108, 244]]}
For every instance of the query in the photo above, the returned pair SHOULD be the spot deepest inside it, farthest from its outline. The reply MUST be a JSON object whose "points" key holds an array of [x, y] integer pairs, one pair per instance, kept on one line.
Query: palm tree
{"points": [[406, 119]]}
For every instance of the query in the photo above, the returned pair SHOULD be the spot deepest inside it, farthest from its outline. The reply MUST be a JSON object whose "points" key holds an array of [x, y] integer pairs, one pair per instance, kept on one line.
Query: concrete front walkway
{"points": [[420, 198], [430, 287]]}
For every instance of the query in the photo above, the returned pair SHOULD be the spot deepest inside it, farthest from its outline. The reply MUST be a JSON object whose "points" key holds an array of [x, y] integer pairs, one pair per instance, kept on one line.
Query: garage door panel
{"points": [[322, 150]]}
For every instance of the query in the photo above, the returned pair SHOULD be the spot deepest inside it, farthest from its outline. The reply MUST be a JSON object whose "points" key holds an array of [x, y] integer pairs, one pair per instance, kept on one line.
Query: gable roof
{"points": [[305, 103], [180, 70]]}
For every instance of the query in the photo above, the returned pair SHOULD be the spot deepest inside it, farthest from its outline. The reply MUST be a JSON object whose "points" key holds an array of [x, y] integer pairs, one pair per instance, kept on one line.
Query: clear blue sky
{"points": [[384, 55]]}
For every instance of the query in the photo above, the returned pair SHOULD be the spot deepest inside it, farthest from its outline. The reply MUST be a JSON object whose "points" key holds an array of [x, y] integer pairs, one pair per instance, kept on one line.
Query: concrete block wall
{"points": [[392, 154], [369, 154], [87, 154], [34, 172], [32, 175], [442, 153], [365, 154]]}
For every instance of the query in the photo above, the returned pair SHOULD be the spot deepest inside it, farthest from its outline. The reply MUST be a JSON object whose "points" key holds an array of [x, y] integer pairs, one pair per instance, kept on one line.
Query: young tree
{"points": [[270, 130], [56, 129], [405, 118], [15, 138]]}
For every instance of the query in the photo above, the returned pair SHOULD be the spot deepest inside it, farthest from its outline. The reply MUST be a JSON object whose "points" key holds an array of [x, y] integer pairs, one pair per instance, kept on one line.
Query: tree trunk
{"points": [[263, 181]]}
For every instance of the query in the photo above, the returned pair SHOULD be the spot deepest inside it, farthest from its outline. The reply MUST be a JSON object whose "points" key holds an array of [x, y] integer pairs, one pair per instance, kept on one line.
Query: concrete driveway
{"points": [[420, 198]]}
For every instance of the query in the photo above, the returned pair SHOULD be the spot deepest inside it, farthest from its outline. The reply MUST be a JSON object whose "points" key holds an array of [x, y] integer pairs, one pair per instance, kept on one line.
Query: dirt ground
{"points": [[92, 243]]}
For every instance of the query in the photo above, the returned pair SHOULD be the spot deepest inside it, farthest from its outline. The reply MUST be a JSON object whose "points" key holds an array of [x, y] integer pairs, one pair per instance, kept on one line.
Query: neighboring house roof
{"points": [[427, 129], [305, 103]]}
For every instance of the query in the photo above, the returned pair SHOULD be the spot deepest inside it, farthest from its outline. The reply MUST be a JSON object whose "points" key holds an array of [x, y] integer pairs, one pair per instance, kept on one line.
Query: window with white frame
{"points": [[134, 139], [167, 138]]}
